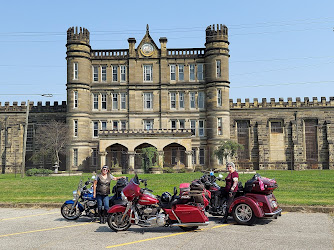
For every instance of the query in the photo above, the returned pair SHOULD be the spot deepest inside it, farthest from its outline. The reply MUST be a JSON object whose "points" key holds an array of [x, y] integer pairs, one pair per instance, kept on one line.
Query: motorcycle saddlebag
{"points": [[187, 214]]}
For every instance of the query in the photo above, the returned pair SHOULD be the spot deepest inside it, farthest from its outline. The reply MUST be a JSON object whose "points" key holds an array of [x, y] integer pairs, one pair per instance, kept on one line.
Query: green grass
{"points": [[310, 187]]}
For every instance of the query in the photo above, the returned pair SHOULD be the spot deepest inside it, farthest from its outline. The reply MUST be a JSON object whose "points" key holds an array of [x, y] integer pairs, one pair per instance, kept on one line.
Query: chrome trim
{"points": [[274, 213], [176, 217], [192, 224]]}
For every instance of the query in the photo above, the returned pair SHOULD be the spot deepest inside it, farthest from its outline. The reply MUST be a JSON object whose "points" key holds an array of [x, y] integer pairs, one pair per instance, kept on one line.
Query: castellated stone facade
{"points": [[176, 100]]}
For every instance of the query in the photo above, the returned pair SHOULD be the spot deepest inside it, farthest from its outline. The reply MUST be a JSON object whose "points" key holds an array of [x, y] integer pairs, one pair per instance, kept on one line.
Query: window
{"points": [[95, 129], [104, 101], [174, 156], [201, 156], [30, 138], [103, 125], [181, 122], [276, 127], [123, 72], [123, 125], [193, 156], [173, 124], [123, 101], [172, 72], [148, 73], [114, 101], [95, 73], [181, 100], [193, 127], [148, 100], [104, 73], [95, 101], [201, 100], [75, 104], [200, 75], [148, 124], [181, 72], [192, 100], [219, 126], [75, 157], [75, 128], [192, 72], [114, 73], [218, 69], [201, 128], [182, 157], [219, 97], [94, 156], [115, 125], [75, 71], [172, 100]]}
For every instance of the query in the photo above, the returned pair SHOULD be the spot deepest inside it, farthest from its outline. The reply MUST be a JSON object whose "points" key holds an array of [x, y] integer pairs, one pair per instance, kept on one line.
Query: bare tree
{"points": [[52, 139]]}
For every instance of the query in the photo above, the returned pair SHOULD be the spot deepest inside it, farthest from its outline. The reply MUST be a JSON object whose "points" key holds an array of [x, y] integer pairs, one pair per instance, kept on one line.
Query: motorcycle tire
{"points": [[66, 212], [187, 229], [115, 223], [243, 214]]}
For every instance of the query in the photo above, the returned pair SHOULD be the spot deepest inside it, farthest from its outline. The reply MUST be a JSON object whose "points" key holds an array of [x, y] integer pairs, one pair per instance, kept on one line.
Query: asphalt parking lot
{"points": [[33, 228]]}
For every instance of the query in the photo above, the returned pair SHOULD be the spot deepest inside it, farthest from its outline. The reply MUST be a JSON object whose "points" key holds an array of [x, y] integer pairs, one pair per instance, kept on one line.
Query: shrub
{"points": [[168, 170], [38, 171]]}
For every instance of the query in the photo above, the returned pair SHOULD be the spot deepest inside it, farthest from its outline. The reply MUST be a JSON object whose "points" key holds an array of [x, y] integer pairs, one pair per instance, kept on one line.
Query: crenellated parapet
{"points": [[280, 103], [75, 35], [216, 33], [56, 107]]}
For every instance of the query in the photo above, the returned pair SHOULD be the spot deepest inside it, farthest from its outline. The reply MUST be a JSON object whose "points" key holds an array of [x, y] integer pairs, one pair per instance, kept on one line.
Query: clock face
{"points": [[147, 49]]}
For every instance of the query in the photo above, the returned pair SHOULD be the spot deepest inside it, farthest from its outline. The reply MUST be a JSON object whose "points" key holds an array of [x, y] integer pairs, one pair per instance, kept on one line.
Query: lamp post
{"points": [[25, 142]]}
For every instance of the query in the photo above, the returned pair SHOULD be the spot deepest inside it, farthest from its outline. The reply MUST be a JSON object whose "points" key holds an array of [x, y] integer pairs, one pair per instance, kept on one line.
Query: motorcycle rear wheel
{"points": [[243, 214], [187, 229], [115, 223], [67, 214]]}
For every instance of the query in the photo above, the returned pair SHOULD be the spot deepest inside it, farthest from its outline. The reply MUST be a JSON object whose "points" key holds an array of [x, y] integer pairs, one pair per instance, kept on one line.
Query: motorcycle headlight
{"points": [[123, 197], [75, 195]]}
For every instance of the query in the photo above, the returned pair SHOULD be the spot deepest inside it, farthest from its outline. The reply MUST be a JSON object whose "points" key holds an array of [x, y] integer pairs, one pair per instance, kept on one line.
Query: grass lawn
{"points": [[310, 187]]}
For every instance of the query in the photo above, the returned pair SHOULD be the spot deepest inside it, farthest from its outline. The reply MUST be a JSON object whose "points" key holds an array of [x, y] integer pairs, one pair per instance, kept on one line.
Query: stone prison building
{"points": [[176, 100]]}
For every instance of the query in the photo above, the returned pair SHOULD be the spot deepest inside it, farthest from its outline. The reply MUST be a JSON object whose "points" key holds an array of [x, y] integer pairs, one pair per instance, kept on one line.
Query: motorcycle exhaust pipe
{"points": [[190, 224]]}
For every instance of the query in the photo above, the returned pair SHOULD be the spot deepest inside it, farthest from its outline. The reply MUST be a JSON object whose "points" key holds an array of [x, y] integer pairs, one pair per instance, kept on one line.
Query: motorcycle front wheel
{"points": [[67, 214], [243, 214], [115, 222]]}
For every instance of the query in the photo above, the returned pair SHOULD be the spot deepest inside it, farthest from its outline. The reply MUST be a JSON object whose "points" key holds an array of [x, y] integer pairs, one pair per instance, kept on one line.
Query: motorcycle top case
{"points": [[260, 185]]}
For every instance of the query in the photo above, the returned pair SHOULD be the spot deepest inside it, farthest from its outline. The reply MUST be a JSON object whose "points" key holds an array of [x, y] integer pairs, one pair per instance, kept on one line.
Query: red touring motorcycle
{"points": [[147, 210], [255, 200]]}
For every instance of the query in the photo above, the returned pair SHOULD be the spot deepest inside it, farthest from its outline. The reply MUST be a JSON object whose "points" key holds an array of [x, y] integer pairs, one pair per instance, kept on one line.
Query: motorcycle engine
{"points": [[91, 203], [150, 214]]}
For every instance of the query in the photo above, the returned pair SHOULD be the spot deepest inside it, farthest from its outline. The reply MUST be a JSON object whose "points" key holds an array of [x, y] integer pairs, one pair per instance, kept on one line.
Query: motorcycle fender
{"points": [[81, 208], [256, 208], [116, 209]]}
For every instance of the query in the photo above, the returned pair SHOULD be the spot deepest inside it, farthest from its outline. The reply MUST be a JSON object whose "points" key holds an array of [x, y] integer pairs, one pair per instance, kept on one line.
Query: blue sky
{"points": [[278, 48]]}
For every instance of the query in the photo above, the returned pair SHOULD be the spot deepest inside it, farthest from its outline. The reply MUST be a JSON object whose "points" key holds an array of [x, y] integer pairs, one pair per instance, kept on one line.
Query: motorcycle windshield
{"points": [[131, 190]]}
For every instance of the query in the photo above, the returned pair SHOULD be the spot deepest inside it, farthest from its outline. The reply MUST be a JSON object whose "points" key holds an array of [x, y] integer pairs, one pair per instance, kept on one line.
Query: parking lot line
{"points": [[13, 218], [161, 237], [45, 229]]}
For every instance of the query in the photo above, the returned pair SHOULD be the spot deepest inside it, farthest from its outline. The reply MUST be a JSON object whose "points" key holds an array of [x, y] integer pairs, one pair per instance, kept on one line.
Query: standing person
{"points": [[231, 187], [101, 189]]}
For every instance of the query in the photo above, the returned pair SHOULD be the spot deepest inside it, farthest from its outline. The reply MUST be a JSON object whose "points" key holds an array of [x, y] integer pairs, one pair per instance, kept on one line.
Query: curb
{"points": [[305, 209]]}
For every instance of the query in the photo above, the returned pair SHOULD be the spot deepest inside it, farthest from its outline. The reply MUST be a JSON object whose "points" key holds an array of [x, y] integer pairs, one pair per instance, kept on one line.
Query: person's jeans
{"points": [[102, 200]]}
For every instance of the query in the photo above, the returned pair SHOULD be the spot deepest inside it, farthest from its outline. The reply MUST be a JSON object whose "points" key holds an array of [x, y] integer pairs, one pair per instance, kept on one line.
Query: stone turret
{"points": [[79, 77], [217, 84]]}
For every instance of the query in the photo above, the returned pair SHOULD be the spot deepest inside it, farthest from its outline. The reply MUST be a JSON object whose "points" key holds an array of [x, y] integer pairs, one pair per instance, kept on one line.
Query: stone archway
{"points": [[138, 157], [117, 156], [175, 156]]}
